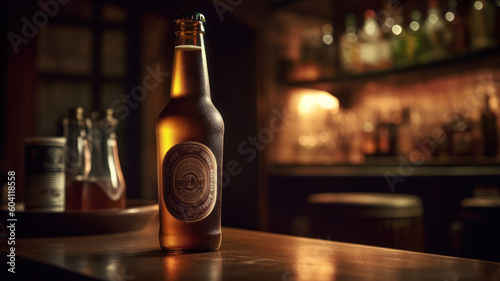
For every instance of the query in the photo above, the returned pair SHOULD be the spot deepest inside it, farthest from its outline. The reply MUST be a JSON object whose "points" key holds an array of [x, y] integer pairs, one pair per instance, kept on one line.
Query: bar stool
{"points": [[480, 217], [377, 219]]}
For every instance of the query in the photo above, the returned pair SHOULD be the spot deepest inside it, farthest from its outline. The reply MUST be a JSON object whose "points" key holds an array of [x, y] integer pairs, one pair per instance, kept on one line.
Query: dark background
{"points": [[231, 54]]}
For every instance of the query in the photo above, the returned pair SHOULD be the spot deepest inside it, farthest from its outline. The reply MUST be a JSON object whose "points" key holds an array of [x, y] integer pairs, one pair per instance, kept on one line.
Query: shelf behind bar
{"points": [[417, 72], [404, 169]]}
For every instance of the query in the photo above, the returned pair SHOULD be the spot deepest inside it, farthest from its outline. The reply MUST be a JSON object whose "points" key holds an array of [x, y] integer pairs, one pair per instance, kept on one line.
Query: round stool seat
{"points": [[368, 205], [481, 203], [480, 218], [378, 219]]}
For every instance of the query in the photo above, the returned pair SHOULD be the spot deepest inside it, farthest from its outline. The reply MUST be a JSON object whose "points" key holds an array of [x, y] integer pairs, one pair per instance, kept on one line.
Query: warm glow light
{"points": [[414, 25], [312, 100], [303, 140], [389, 21], [323, 137], [450, 16], [396, 29], [308, 141], [313, 141], [368, 127], [416, 118], [327, 39], [433, 19], [313, 262], [370, 29], [306, 104], [478, 5]]}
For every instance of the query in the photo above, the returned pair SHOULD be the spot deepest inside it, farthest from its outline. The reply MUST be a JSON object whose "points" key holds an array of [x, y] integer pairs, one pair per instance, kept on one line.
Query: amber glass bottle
{"points": [[189, 140]]}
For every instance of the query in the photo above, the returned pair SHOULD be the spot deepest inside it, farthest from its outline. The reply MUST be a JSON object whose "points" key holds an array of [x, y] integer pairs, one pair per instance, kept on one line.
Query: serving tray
{"points": [[137, 214]]}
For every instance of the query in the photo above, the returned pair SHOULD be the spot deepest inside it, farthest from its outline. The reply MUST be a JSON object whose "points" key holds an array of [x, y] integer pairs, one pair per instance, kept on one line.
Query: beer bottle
{"points": [[189, 140], [489, 129]]}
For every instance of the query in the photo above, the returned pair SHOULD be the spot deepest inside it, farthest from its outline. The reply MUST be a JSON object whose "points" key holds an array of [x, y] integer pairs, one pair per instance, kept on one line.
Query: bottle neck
{"points": [[103, 138], [487, 108], [190, 74], [77, 150]]}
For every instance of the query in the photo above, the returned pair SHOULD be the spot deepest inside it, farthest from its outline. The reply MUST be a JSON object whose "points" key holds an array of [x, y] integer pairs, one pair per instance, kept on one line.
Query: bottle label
{"points": [[189, 181]]}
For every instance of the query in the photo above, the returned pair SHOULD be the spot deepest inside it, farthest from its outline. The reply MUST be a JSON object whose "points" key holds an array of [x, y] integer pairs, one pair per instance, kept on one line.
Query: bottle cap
{"points": [[75, 113], [370, 14], [190, 16], [103, 114]]}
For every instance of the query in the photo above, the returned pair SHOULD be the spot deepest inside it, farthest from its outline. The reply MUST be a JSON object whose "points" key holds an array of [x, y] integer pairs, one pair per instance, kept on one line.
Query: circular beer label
{"points": [[189, 181]]}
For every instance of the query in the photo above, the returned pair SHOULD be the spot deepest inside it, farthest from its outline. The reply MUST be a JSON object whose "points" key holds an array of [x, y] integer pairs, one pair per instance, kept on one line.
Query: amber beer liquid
{"points": [[94, 197], [189, 140]]}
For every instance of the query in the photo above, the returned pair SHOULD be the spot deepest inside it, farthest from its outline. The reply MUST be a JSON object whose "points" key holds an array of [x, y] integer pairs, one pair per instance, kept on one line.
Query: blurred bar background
{"points": [[317, 96]]}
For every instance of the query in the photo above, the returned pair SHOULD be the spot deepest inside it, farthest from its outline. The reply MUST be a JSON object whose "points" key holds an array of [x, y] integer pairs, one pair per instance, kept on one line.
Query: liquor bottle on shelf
{"points": [[455, 35], [405, 138], [489, 129], [369, 139], [481, 25], [384, 48], [349, 46], [434, 27], [310, 45], [418, 42], [370, 37], [398, 42], [328, 51], [309, 68], [462, 135], [386, 136]]}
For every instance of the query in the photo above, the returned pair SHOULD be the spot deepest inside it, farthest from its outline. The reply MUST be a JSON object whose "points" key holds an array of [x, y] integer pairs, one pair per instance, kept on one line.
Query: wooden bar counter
{"points": [[244, 255]]}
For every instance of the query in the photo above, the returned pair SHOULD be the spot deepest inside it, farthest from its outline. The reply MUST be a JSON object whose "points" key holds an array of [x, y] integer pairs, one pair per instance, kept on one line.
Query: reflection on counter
{"points": [[180, 267], [436, 121]]}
